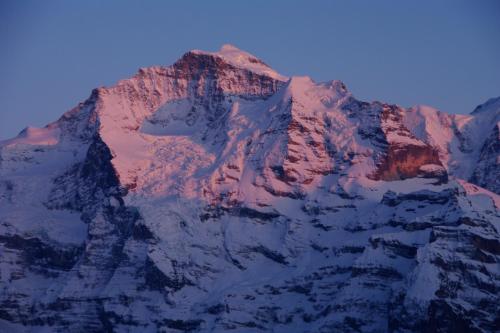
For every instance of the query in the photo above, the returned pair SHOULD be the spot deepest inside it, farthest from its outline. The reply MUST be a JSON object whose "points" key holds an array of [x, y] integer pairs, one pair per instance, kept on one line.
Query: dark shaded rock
{"points": [[301, 288], [487, 171], [217, 309], [272, 255], [47, 256], [252, 213], [181, 325], [292, 195], [141, 232], [396, 247], [379, 271], [392, 199], [155, 279]]}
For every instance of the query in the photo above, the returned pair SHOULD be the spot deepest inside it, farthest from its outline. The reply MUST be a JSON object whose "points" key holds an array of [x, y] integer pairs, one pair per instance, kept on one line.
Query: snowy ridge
{"points": [[243, 59], [216, 195]]}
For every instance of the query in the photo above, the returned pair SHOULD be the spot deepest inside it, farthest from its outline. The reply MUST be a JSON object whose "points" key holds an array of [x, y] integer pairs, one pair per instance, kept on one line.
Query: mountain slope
{"points": [[216, 195]]}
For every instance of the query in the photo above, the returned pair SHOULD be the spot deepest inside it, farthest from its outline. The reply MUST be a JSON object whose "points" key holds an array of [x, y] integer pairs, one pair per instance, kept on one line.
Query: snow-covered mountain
{"points": [[217, 195]]}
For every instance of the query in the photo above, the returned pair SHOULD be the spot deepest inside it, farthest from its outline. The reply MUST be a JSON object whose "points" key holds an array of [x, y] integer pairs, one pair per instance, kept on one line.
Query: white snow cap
{"points": [[492, 105], [242, 59]]}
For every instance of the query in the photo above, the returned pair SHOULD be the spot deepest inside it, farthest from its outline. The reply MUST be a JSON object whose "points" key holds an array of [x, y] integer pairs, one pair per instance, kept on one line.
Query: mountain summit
{"points": [[218, 195], [242, 59]]}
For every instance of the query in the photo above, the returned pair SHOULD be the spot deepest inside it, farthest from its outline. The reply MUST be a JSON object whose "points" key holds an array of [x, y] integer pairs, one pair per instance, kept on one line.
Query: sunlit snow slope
{"points": [[218, 195]]}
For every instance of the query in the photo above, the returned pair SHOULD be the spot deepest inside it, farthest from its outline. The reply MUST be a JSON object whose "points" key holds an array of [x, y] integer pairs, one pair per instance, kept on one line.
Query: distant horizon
{"points": [[444, 55]]}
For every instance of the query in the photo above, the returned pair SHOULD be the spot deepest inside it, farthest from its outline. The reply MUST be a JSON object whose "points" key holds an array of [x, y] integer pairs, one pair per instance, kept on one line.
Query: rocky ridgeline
{"points": [[218, 195]]}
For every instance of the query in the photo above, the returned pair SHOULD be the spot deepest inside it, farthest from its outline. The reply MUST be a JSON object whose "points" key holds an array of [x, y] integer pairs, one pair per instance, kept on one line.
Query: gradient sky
{"points": [[441, 53]]}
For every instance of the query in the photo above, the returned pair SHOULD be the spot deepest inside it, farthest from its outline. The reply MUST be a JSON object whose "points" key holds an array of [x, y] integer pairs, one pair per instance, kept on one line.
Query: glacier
{"points": [[217, 195]]}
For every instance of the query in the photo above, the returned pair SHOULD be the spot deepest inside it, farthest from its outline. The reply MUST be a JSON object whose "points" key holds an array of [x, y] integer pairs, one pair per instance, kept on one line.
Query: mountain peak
{"points": [[298, 85], [242, 59], [230, 47], [313, 94], [491, 105], [206, 187]]}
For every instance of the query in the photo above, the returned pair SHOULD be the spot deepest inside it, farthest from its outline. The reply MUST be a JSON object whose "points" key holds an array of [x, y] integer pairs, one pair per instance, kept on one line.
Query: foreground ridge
{"points": [[217, 195]]}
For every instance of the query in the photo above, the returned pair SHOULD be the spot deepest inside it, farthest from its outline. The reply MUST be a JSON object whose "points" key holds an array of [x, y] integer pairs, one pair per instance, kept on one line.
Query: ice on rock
{"points": [[218, 195]]}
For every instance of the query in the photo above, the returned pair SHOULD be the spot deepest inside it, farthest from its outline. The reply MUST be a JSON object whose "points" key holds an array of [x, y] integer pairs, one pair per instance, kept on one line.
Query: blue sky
{"points": [[441, 53]]}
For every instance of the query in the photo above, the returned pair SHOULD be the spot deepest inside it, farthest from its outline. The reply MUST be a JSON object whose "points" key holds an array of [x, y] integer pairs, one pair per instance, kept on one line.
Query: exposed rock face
{"points": [[218, 195], [487, 171], [405, 155], [406, 162]]}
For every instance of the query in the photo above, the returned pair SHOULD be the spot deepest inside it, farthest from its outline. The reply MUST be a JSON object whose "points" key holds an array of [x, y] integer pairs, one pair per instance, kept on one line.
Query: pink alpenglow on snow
{"points": [[217, 195]]}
